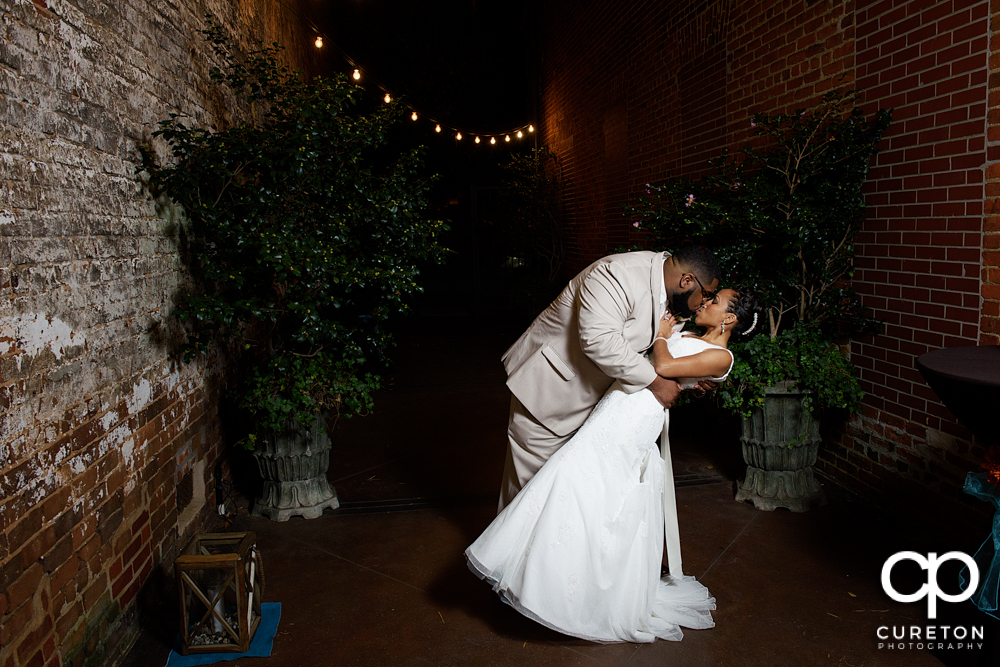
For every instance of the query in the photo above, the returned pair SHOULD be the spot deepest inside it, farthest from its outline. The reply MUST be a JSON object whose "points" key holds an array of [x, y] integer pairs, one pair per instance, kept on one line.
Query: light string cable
{"points": [[358, 73]]}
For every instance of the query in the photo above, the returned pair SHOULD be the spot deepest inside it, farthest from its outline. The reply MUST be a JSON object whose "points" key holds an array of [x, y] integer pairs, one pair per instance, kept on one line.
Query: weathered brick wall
{"points": [[98, 427], [929, 252]]}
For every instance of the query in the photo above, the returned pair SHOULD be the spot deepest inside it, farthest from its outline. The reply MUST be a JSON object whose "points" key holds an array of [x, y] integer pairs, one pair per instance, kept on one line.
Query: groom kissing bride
{"points": [[578, 542]]}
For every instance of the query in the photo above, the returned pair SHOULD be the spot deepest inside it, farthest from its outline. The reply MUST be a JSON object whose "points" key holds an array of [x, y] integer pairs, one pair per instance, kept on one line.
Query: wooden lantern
{"points": [[219, 580]]}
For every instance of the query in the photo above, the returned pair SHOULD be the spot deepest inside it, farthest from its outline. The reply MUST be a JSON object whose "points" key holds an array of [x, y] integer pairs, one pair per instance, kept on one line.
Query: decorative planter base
{"points": [[796, 490], [282, 500], [780, 444], [293, 465]]}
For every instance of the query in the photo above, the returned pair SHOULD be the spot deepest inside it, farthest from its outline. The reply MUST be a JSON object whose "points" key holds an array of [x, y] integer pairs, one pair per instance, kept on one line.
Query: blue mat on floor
{"points": [[260, 647]]}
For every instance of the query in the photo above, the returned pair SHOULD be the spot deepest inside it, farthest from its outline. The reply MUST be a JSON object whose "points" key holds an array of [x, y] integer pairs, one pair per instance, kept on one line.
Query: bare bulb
{"points": [[357, 74], [507, 138], [477, 140], [458, 136], [387, 98], [531, 128], [493, 140], [520, 134], [437, 128], [319, 42], [413, 116]]}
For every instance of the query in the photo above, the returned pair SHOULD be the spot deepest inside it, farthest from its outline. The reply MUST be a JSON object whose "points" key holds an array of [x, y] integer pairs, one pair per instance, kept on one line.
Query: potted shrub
{"points": [[303, 231], [783, 214]]}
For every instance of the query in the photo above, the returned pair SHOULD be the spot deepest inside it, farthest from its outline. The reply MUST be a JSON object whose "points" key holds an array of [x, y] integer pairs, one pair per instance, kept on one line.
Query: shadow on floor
{"points": [[382, 580]]}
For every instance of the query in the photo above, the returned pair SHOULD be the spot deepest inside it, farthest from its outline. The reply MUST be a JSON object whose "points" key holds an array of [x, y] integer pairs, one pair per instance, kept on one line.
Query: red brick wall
{"points": [[990, 323], [97, 425], [920, 251], [683, 78], [929, 251], [784, 56], [703, 114]]}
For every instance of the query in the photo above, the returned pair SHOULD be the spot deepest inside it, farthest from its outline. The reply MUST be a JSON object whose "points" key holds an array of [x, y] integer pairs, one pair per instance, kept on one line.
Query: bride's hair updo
{"points": [[750, 314]]}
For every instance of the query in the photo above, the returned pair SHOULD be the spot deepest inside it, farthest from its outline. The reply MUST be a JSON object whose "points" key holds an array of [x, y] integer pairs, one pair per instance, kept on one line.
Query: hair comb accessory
{"points": [[752, 325]]}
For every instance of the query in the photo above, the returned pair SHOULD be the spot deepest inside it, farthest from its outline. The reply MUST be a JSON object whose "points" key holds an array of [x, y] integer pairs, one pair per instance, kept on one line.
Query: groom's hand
{"points": [[666, 391]]}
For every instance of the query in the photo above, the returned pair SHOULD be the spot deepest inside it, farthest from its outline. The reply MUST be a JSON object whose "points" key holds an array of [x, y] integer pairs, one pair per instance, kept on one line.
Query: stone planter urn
{"points": [[294, 464], [780, 443]]}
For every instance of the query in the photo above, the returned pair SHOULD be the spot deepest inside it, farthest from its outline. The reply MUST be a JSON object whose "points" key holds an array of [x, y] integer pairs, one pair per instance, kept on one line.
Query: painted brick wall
{"points": [[97, 426], [929, 252]]}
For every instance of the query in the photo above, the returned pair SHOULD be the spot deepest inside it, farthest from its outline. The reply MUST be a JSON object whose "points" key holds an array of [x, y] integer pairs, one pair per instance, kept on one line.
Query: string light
{"points": [[438, 127], [356, 71]]}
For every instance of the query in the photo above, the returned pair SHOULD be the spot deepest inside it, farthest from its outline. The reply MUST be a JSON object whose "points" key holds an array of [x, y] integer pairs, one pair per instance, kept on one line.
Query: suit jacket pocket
{"points": [[557, 362], [547, 386]]}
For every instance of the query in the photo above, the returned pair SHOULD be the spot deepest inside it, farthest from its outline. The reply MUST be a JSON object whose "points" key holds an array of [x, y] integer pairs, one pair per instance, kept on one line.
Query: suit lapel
{"points": [[655, 286]]}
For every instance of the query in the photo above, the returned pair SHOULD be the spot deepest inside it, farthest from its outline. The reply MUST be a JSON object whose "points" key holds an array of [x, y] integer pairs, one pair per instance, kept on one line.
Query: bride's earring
{"points": [[722, 328]]}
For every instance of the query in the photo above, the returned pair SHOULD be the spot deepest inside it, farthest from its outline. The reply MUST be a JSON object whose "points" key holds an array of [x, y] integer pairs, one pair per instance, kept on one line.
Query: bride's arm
{"points": [[708, 363]]}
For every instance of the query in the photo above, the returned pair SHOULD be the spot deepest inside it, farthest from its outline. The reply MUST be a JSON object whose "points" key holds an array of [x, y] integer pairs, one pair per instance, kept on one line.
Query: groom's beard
{"points": [[679, 304]]}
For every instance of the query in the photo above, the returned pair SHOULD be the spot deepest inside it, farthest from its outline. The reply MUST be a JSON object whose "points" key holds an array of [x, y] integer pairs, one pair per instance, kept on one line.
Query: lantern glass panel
{"points": [[219, 581]]}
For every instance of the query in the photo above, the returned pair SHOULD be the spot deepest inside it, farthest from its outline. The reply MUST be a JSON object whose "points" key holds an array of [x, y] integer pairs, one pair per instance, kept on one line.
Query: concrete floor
{"points": [[382, 581]]}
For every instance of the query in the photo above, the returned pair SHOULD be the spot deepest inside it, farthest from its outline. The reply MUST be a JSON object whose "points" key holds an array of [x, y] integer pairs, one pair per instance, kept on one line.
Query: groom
{"points": [[593, 334]]}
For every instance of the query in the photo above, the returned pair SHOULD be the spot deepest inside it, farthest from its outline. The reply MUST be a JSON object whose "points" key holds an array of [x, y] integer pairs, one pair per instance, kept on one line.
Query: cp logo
{"points": [[930, 590]]}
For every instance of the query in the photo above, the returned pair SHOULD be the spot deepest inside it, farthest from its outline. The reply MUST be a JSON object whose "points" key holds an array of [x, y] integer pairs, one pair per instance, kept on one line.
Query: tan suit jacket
{"points": [[590, 336]]}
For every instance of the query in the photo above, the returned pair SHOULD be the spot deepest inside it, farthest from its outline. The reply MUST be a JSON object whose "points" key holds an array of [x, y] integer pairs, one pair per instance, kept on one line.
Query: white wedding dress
{"points": [[579, 549]]}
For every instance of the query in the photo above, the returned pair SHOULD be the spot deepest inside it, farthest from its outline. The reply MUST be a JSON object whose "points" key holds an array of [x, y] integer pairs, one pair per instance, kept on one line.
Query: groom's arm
{"points": [[606, 301]]}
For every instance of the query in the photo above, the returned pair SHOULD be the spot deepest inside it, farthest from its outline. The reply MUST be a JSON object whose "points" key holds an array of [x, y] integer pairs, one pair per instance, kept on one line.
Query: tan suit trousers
{"points": [[522, 464]]}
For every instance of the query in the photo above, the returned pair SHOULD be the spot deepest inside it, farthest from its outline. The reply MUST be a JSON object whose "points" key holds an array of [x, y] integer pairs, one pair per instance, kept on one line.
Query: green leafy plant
{"points": [[801, 354], [782, 215], [290, 387], [304, 232]]}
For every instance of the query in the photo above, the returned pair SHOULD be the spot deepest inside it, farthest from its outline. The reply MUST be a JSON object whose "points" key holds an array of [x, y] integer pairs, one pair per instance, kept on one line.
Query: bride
{"points": [[579, 549]]}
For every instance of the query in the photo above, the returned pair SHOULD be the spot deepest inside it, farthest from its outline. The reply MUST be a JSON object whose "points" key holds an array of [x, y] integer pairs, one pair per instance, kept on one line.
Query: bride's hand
{"points": [[704, 386], [667, 325]]}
